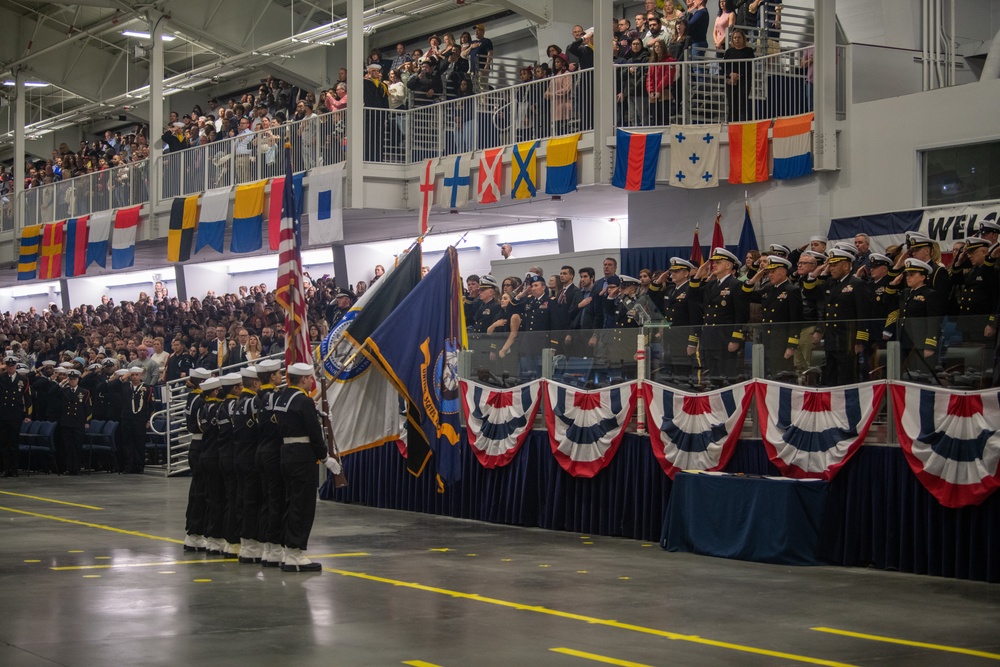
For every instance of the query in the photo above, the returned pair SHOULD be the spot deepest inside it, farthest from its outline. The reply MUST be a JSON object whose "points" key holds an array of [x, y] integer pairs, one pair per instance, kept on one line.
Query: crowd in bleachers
{"points": [[845, 301]]}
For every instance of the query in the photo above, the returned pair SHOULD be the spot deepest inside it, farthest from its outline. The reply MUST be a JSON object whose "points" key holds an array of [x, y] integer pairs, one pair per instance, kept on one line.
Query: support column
{"points": [[340, 260], [180, 284], [155, 111], [19, 123], [564, 235], [354, 194], [604, 90], [825, 86], [64, 295]]}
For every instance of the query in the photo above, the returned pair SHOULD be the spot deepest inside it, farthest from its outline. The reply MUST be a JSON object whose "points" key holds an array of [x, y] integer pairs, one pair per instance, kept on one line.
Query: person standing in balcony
{"points": [[739, 77], [244, 152], [307, 135], [659, 81], [480, 55], [559, 93], [376, 98], [697, 28]]}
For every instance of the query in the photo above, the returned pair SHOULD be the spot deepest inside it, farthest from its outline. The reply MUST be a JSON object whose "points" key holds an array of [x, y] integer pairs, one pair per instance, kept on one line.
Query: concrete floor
{"points": [[109, 585]]}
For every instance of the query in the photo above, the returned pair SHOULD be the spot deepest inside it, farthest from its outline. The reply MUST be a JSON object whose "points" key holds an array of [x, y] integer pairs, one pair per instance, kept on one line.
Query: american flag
{"points": [[290, 294]]}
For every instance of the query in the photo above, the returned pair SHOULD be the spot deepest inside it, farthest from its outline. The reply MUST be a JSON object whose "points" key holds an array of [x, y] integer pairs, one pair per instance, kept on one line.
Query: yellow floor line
{"points": [[92, 525], [907, 642], [50, 500], [113, 566], [597, 658], [592, 620], [419, 663]]}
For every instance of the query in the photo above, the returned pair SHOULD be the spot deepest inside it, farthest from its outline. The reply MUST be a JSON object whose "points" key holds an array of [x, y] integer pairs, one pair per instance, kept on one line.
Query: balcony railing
{"points": [[692, 92]]}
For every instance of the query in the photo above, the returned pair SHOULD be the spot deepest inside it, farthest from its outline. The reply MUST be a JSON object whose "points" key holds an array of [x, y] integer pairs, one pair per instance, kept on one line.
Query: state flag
{"points": [[748, 152], [490, 176], [560, 164], [212, 220], [326, 205], [123, 242], [456, 182], [523, 170], [76, 246], [50, 267], [792, 139], [183, 217], [636, 156], [248, 218], [694, 156], [98, 235]]}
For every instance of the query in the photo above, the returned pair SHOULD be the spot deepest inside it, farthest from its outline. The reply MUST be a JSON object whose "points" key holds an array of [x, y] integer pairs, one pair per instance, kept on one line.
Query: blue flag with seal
{"points": [[420, 357]]}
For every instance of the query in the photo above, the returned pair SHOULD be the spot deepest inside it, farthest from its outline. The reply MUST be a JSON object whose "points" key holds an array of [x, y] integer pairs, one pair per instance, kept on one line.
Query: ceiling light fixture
{"points": [[27, 84], [146, 35]]}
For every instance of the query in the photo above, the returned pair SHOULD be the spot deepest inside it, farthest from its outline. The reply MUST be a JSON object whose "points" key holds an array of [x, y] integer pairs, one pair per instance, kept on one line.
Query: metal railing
{"points": [[780, 26], [713, 90], [118, 187], [316, 141]]}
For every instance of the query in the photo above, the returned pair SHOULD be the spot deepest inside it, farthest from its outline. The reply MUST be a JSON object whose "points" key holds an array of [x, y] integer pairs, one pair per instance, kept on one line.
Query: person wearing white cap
{"points": [[974, 274], [303, 446], [232, 385], [195, 515], [268, 463], [726, 309], [74, 420], [919, 322], [683, 313], [137, 408], [920, 246], [15, 408], [781, 314], [845, 304], [245, 434], [883, 300], [624, 314], [215, 489]]}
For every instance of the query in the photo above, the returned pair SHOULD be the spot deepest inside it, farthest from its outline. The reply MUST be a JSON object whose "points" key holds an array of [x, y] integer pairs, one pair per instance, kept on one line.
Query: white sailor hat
{"points": [[973, 242], [61, 369], [93, 367], [135, 369], [878, 259], [681, 264], [268, 366], [231, 379], [917, 240], [915, 265], [838, 255], [778, 249], [818, 238], [22, 370], [48, 362], [248, 373], [66, 364], [110, 361], [721, 253], [775, 262], [200, 373], [628, 280], [210, 384], [121, 371], [300, 370]]}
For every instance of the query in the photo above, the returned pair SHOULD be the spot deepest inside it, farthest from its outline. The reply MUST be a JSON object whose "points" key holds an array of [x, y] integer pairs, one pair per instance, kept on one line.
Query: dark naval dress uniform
{"points": [[137, 407], [195, 517], [919, 324], [15, 407], [781, 313], [268, 462], [245, 436], [76, 414], [845, 303], [726, 309]]}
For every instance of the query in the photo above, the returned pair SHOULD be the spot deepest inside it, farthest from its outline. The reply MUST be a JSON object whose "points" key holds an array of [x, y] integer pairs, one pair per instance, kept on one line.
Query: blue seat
{"points": [[99, 440], [156, 443], [39, 439]]}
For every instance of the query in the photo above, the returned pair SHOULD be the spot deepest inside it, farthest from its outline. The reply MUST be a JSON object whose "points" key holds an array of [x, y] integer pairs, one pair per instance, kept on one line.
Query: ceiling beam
{"points": [[538, 12]]}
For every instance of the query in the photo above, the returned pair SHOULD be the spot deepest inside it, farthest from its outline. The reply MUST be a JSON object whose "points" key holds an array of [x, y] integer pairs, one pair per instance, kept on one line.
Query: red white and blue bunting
{"points": [[811, 433], [695, 431], [499, 420], [586, 427], [950, 440]]}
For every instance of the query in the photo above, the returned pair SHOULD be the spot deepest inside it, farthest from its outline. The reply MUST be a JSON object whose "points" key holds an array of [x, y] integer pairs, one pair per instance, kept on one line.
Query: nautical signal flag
{"points": [[274, 207], [426, 193], [98, 235], [792, 139], [180, 237], [560, 164], [212, 220], [635, 160], [455, 184], [694, 156], [31, 243], [523, 171], [76, 246], [52, 251], [248, 218], [123, 242], [748, 152], [326, 205], [490, 176]]}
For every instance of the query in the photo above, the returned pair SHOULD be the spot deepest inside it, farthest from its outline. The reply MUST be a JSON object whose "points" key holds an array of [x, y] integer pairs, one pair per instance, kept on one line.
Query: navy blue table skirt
{"points": [[877, 513], [763, 519]]}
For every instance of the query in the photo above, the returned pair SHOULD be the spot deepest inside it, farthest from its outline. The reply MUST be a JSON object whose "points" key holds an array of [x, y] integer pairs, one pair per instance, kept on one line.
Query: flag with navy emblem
{"points": [[951, 440], [586, 427], [499, 420], [812, 433], [417, 349], [694, 156], [695, 431]]}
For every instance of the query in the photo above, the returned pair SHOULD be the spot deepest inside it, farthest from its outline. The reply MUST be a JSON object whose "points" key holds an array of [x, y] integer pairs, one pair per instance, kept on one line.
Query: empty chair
{"points": [[39, 440]]}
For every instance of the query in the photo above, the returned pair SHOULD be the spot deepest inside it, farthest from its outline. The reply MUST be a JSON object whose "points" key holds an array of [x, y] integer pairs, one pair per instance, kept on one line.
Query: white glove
{"points": [[333, 465]]}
